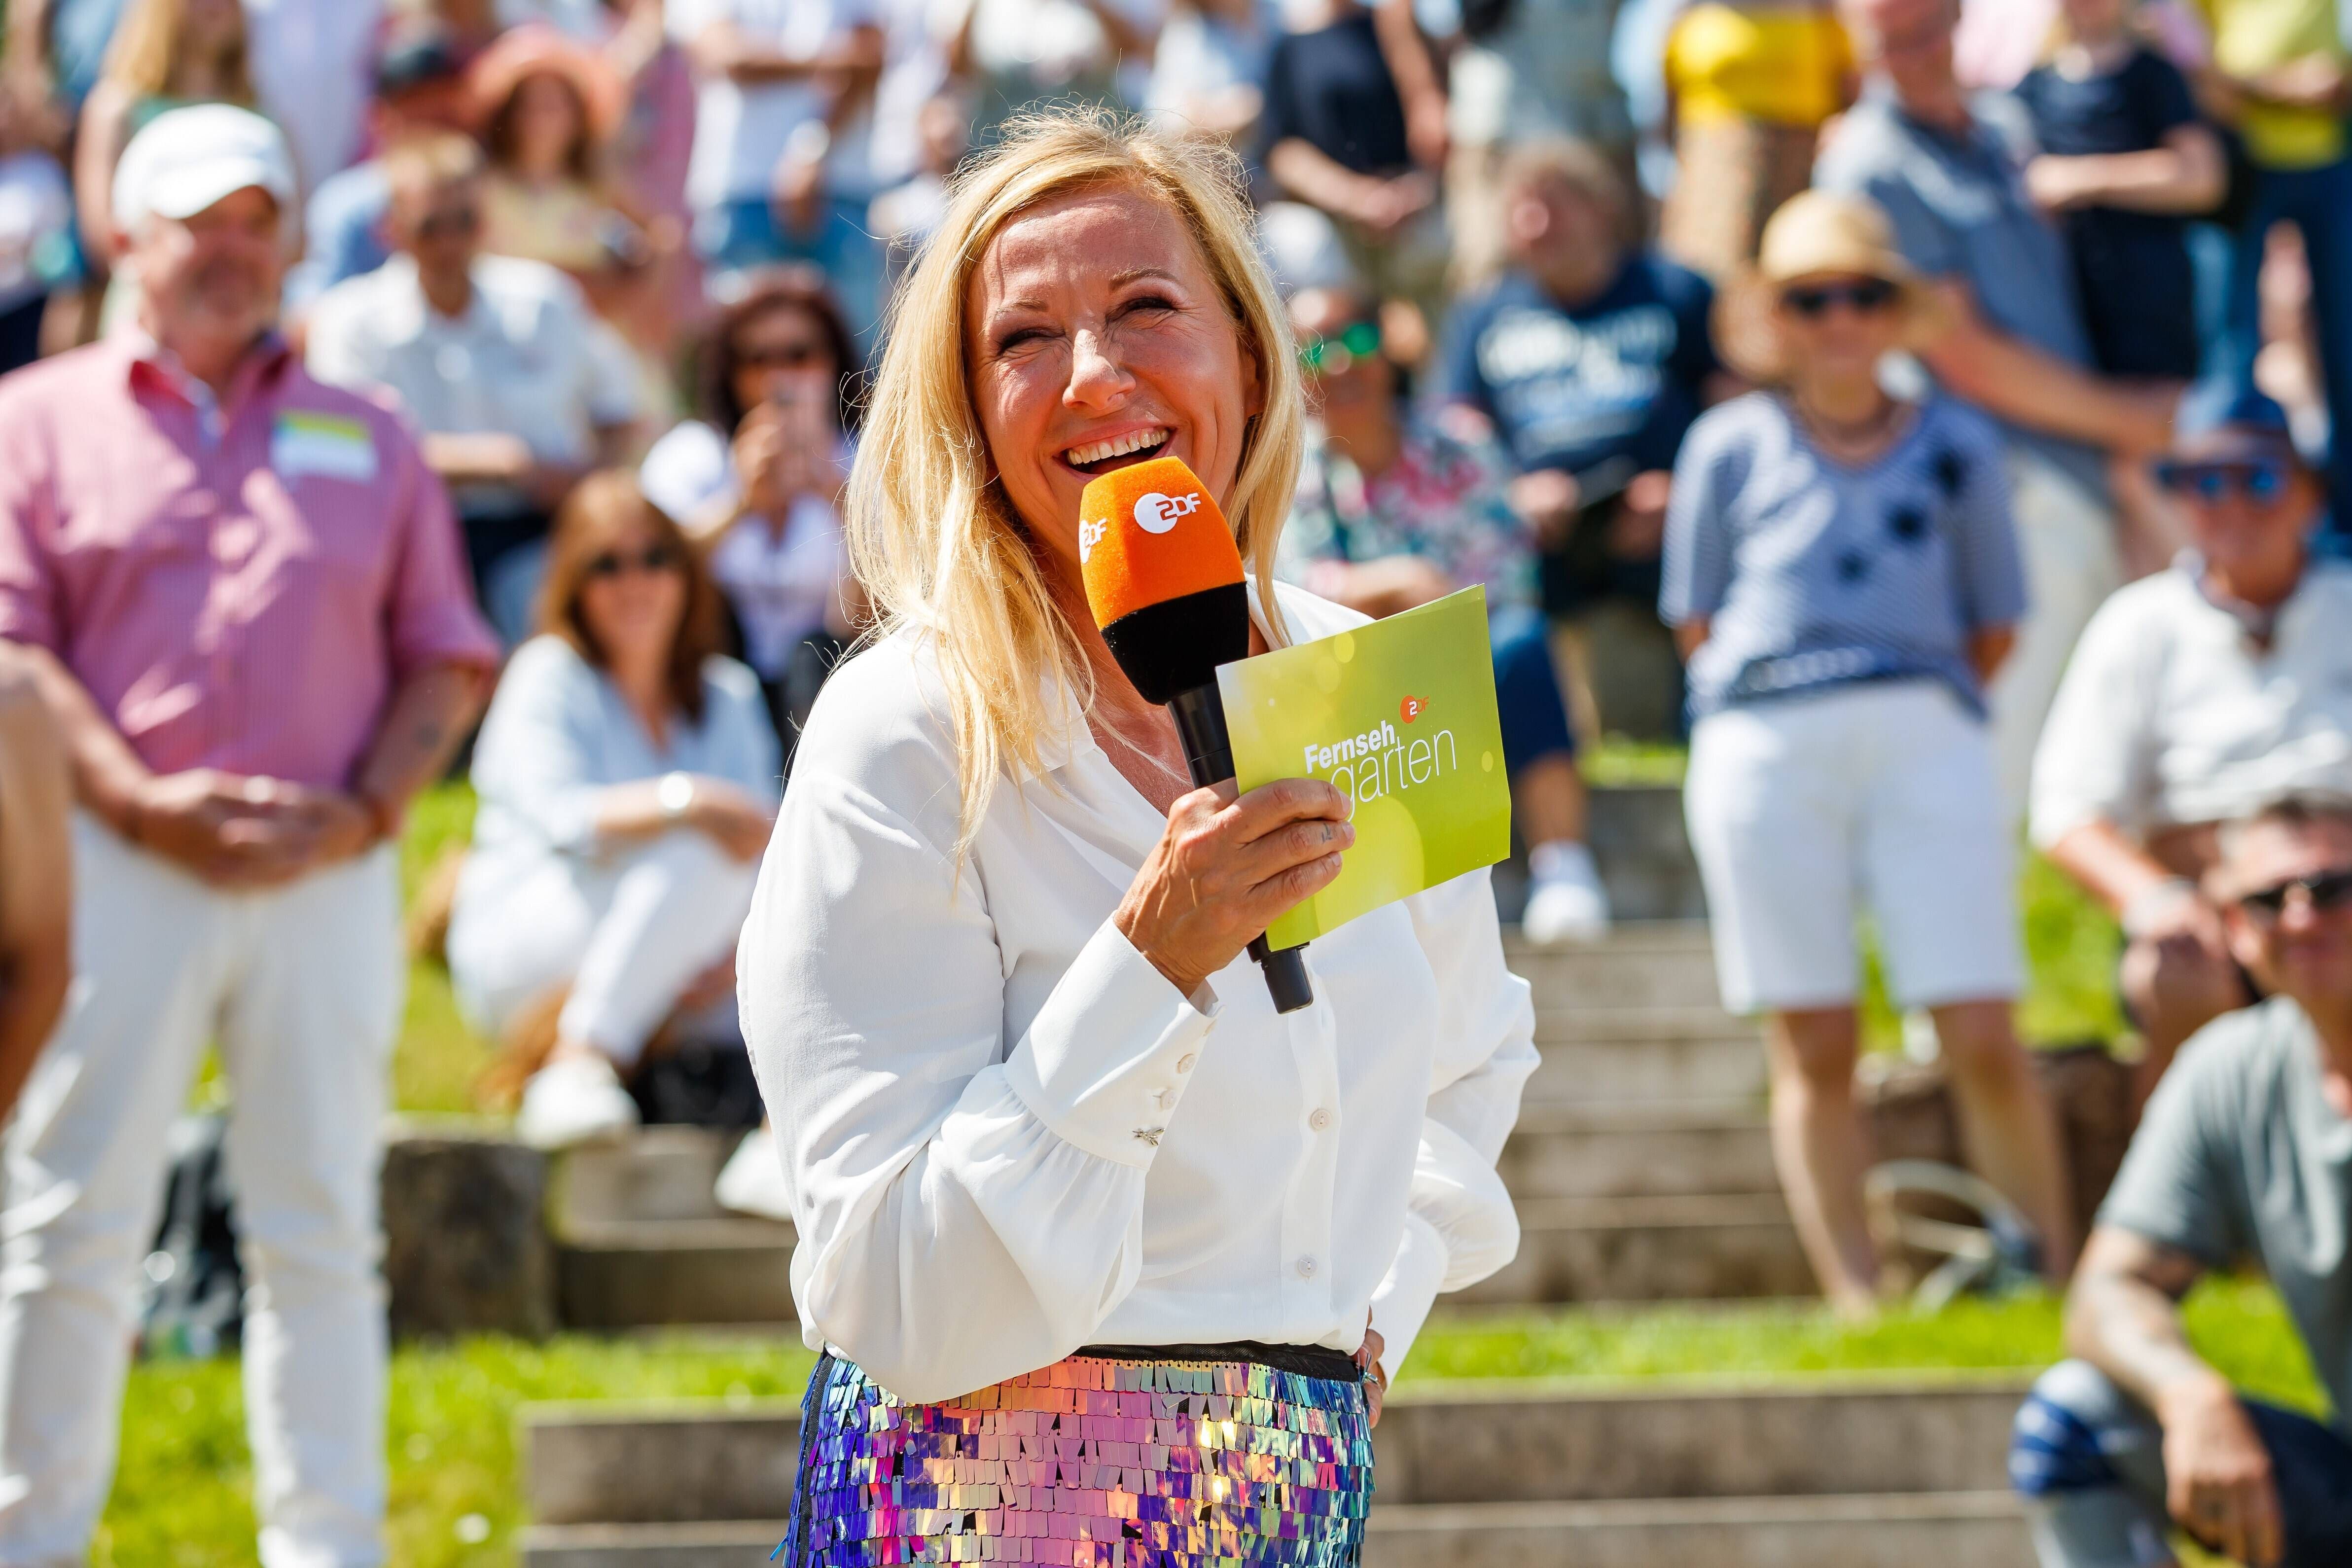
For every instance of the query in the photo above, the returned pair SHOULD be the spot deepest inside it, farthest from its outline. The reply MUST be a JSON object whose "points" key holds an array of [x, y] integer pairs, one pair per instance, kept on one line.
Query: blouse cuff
{"points": [[1401, 1303], [1107, 1057]]}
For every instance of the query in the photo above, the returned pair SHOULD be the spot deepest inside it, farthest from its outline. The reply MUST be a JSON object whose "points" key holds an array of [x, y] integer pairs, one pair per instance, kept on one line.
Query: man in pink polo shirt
{"points": [[243, 594]]}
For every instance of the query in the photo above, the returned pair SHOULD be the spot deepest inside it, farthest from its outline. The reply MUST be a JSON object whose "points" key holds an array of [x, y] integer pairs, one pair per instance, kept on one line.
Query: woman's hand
{"points": [[1225, 868], [732, 816], [1376, 1377]]}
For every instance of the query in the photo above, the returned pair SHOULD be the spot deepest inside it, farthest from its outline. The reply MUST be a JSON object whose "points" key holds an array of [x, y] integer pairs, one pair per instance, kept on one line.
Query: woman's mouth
{"points": [[1103, 457]]}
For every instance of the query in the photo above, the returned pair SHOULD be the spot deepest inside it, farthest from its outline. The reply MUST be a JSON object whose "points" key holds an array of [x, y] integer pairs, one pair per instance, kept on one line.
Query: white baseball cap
{"points": [[185, 160]]}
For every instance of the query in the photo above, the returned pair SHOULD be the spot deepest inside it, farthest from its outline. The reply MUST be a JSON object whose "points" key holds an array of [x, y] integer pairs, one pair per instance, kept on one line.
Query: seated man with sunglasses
{"points": [[2244, 1152], [2194, 695], [519, 388]]}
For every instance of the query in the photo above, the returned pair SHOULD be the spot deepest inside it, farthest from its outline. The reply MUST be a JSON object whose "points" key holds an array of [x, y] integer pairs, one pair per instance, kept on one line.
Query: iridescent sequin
{"points": [[1088, 1463]]}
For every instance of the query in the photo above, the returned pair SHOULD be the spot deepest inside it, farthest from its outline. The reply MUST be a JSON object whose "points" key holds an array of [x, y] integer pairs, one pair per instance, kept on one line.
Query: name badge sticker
{"points": [[328, 445]]}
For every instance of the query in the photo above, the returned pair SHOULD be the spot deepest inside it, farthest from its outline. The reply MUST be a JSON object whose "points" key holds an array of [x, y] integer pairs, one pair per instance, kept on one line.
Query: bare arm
{"points": [[2110, 866], [2017, 381], [724, 49], [1418, 83], [2187, 174], [35, 878], [422, 724], [105, 121], [2122, 1316]]}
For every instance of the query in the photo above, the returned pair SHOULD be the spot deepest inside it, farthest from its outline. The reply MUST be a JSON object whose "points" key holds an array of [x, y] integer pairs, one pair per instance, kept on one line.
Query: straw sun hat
{"points": [[1816, 234], [534, 48]]}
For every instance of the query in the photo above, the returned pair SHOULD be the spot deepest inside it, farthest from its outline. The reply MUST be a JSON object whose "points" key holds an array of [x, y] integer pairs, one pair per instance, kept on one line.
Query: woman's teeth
{"points": [[1117, 447]]}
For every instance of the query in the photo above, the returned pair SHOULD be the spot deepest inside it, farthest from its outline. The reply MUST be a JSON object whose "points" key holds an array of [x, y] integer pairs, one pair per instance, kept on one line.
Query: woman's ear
{"points": [[1252, 380]]}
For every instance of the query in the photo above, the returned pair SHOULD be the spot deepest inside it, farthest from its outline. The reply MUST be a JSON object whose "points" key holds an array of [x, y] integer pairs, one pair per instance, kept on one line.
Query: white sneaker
{"points": [[753, 1182], [574, 1100], [1566, 902]]}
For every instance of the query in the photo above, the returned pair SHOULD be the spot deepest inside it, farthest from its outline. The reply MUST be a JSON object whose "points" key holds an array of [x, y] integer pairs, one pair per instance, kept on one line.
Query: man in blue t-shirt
{"points": [[1591, 359]]}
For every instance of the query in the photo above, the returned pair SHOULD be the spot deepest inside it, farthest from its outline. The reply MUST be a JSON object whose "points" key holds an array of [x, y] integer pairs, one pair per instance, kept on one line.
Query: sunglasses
{"points": [[450, 222], [2326, 890], [1814, 301], [612, 563], [782, 357], [2260, 480], [1340, 351]]}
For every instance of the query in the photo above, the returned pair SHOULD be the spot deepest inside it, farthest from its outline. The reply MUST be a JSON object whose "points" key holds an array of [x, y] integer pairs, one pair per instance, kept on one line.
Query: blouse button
{"points": [[1318, 1118], [1307, 1269], [1185, 1063]]}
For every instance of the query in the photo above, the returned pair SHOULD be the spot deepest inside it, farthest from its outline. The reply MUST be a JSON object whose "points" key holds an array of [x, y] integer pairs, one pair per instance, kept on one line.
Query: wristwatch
{"points": [[675, 794]]}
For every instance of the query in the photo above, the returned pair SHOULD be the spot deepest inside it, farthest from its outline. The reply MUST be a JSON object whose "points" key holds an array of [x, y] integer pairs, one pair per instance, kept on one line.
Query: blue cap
{"points": [[2229, 413]]}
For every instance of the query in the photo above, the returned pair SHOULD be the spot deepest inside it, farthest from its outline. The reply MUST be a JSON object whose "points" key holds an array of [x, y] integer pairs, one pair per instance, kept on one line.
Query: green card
{"points": [[1401, 716]]}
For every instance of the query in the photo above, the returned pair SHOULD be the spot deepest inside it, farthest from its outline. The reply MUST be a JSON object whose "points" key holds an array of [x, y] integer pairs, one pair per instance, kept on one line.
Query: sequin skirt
{"points": [[1098, 1461]]}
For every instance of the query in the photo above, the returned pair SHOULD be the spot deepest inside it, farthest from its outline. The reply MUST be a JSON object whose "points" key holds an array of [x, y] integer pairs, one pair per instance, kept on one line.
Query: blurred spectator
{"points": [[1592, 357], [2195, 695], [1524, 70], [2124, 160], [2244, 1155], [37, 253], [166, 54], [2280, 73], [244, 595], [651, 152], [1843, 578], [1751, 83], [1021, 54], [36, 873], [757, 482], [1354, 126], [2017, 347], [628, 776], [903, 216], [312, 60], [778, 77], [518, 389], [546, 108], [420, 86], [1393, 512], [1209, 72], [59, 46]]}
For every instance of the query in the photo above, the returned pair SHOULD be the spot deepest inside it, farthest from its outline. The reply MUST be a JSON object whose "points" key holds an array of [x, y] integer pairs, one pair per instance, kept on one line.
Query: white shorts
{"points": [[1884, 796]]}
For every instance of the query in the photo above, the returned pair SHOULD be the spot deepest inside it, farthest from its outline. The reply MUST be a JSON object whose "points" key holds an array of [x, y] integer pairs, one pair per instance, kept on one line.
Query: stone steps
{"points": [[1663, 1066], [1851, 1475], [1638, 1149]]}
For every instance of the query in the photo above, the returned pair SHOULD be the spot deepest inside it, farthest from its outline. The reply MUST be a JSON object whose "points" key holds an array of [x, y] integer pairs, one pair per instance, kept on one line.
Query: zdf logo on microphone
{"points": [[1157, 513]]}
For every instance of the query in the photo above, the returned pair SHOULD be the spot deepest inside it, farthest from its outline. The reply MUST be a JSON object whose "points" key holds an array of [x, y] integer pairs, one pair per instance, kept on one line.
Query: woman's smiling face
{"points": [[1097, 338]]}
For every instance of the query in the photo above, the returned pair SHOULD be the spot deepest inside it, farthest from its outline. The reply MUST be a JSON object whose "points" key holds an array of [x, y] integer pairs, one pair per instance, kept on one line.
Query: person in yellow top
{"points": [[1751, 82], [2282, 74]]}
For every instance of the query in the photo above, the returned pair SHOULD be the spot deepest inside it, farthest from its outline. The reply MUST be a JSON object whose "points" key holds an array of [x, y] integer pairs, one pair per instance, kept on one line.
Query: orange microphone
{"points": [[1164, 581]]}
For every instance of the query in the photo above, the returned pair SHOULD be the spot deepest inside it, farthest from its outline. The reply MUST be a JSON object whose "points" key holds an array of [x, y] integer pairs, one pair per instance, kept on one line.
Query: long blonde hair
{"points": [[937, 546], [149, 43]]}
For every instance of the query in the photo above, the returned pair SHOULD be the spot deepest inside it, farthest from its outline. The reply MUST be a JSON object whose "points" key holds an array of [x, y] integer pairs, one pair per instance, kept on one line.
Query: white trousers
{"points": [[2067, 536], [301, 988], [628, 934], [1805, 810]]}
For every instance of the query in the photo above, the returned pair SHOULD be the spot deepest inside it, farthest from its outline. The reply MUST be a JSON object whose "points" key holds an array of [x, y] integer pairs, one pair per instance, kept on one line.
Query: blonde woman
{"points": [[1045, 1136], [166, 53]]}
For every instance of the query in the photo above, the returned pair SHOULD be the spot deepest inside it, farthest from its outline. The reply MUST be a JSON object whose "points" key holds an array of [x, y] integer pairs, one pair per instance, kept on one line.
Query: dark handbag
{"points": [[192, 1299]]}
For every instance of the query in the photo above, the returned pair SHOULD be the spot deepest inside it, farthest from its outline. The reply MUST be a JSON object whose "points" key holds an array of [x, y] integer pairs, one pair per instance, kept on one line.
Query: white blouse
{"points": [[1007, 1134]]}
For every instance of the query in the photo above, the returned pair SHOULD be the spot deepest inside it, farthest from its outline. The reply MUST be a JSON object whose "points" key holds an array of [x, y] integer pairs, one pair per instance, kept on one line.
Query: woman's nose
{"points": [[1098, 383]]}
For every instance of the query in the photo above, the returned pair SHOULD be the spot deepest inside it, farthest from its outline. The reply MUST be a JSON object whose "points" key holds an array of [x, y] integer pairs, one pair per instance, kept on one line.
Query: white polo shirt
{"points": [[527, 359], [2170, 712]]}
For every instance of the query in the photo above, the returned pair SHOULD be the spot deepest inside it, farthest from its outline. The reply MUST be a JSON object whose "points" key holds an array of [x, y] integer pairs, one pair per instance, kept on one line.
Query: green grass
{"points": [[456, 1498]]}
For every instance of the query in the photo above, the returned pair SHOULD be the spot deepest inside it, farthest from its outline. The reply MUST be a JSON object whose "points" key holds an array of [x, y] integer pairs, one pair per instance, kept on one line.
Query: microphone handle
{"points": [[1200, 716]]}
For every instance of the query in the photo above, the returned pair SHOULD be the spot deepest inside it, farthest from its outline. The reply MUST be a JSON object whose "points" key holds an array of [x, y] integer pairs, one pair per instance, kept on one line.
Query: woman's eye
{"points": [[1149, 303], [1020, 337]]}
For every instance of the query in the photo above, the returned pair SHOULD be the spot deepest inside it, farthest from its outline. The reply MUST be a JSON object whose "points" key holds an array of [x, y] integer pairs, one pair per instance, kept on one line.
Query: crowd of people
{"points": [[1922, 408]]}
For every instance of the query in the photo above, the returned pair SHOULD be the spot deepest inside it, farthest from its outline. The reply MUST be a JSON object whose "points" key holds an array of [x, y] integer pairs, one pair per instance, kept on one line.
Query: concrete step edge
{"points": [[1638, 1513]]}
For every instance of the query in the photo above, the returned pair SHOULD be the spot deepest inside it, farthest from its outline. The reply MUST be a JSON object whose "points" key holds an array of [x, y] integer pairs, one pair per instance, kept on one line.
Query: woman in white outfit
{"points": [[1044, 1130], [627, 774], [1843, 576]]}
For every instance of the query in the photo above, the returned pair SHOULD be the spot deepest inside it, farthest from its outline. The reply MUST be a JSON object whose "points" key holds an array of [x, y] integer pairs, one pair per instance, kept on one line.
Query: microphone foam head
{"points": [[1150, 533], [1163, 576]]}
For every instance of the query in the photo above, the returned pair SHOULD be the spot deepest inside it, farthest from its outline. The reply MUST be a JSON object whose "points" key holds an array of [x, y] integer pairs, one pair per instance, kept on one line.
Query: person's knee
{"points": [[1819, 1048], [693, 863], [1979, 1042], [2063, 1434]]}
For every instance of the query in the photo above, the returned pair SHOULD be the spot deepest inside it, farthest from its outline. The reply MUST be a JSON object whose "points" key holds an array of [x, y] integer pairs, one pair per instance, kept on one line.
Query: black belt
{"points": [[1300, 1361]]}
